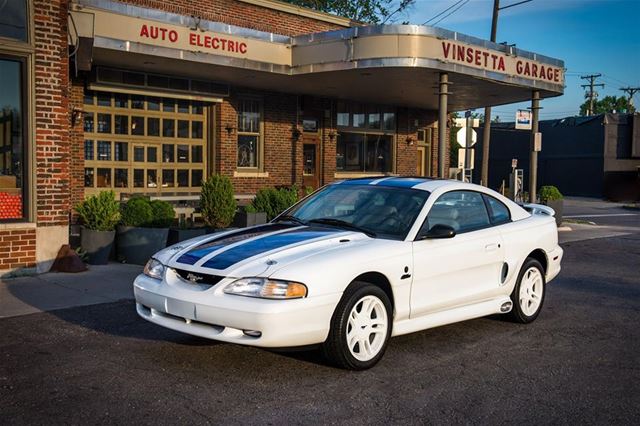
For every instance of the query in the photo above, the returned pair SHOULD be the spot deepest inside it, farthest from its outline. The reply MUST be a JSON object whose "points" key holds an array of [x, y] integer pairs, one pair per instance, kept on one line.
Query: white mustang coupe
{"points": [[355, 263]]}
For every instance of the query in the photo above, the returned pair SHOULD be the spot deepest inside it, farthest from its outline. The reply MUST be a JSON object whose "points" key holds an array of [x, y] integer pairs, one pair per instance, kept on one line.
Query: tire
{"points": [[528, 294], [368, 334]]}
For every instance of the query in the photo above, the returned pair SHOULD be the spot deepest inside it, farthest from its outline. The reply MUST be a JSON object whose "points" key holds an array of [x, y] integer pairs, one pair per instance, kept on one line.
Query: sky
{"points": [[590, 36]]}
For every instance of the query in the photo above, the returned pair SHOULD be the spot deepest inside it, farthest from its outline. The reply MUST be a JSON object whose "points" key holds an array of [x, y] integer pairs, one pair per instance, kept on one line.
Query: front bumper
{"points": [[215, 315]]}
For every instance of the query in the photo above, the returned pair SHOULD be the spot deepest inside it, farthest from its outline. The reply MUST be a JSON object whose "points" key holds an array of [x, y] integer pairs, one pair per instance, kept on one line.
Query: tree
{"points": [[607, 104], [369, 11]]}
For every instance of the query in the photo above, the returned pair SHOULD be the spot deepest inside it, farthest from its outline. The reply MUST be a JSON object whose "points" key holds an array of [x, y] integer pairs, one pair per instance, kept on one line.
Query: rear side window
{"points": [[462, 210], [498, 212]]}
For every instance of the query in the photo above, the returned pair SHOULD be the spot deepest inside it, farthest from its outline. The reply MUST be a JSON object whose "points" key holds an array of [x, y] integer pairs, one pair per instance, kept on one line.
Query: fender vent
{"points": [[505, 272]]}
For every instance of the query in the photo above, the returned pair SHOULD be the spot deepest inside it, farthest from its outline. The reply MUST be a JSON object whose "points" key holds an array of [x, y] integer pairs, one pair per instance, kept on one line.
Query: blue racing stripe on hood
{"points": [[193, 256], [263, 245]]}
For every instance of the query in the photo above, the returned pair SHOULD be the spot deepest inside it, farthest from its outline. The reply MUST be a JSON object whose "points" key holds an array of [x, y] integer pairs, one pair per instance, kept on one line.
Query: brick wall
{"points": [[76, 151], [17, 248], [240, 14], [52, 112]]}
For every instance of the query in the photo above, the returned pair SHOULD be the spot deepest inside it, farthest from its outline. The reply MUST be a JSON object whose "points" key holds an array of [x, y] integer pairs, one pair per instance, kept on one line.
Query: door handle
{"points": [[491, 247]]}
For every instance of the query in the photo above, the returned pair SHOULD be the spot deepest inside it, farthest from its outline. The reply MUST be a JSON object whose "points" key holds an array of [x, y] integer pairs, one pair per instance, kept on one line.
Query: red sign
{"points": [[195, 39]]}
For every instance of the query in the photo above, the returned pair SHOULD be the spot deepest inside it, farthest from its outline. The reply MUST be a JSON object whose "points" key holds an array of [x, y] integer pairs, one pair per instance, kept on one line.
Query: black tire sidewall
{"points": [[338, 349], [516, 312]]}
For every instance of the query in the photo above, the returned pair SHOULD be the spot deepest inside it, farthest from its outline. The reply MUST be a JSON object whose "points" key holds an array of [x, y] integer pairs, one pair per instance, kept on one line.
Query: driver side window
{"points": [[464, 211]]}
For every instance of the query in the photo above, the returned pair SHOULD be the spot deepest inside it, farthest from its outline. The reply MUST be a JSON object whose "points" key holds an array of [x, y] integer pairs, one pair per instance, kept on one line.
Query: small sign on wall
{"points": [[523, 119]]}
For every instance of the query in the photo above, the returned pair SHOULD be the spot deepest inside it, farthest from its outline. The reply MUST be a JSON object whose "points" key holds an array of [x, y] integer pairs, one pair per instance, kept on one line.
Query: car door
{"points": [[460, 270]]}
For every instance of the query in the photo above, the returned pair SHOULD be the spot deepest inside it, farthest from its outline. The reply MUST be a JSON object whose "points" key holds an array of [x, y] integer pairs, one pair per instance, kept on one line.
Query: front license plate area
{"points": [[181, 309]]}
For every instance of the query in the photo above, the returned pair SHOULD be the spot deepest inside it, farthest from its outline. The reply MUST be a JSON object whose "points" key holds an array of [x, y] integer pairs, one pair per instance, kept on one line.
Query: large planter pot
{"points": [[244, 219], [97, 245], [177, 235], [558, 207], [136, 245]]}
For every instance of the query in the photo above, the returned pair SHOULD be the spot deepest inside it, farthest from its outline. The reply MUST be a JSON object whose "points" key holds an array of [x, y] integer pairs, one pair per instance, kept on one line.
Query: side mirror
{"points": [[437, 231]]}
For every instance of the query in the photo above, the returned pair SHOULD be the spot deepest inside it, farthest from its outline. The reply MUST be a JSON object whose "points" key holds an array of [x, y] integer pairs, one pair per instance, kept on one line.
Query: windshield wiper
{"points": [[288, 217], [343, 224]]}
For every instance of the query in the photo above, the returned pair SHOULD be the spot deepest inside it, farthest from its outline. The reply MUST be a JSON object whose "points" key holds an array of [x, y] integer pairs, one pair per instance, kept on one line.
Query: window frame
{"points": [[27, 156], [260, 134]]}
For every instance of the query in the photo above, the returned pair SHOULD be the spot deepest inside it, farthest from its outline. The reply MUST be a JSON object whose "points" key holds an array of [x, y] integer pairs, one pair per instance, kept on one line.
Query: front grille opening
{"points": [[198, 278]]}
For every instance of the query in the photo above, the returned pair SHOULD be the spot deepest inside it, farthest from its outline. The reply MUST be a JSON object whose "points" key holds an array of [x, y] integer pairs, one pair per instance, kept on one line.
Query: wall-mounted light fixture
{"points": [[410, 140], [76, 116], [229, 128], [332, 134], [295, 133]]}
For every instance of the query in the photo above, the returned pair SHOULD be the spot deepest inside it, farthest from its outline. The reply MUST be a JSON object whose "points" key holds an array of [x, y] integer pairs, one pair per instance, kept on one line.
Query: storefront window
{"points": [[365, 138], [12, 138], [249, 133], [149, 143]]}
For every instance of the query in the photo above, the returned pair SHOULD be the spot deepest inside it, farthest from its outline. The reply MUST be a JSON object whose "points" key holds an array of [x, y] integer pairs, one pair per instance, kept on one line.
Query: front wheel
{"points": [[360, 327], [528, 294]]}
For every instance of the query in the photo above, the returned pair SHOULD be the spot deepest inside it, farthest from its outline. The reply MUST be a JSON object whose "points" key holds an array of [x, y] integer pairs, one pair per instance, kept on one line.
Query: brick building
{"points": [[150, 96]]}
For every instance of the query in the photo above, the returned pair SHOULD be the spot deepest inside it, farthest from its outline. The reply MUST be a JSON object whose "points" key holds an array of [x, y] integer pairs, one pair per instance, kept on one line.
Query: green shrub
{"points": [[100, 212], [250, 209], [274, 201], [163, 214], [137, 212], [217, 201], [550, 193]]}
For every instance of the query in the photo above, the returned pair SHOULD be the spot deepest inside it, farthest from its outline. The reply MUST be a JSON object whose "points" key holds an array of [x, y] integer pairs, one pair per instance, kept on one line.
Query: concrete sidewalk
{"points": [[54, 290]]}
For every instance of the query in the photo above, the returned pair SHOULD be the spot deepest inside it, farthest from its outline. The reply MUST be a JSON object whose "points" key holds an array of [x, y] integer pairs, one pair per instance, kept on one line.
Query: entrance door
{"points": [[423, 163], [310, 153]]}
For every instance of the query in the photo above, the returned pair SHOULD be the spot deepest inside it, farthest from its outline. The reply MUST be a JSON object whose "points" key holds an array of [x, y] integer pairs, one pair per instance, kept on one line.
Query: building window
{"points": [[13, 19], [249, 129], [12, 138], [144, 143], [365, 138]]}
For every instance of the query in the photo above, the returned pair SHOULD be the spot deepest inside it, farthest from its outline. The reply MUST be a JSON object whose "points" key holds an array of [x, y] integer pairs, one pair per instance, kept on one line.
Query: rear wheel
{"points": [[360, 327], [528, 294]]}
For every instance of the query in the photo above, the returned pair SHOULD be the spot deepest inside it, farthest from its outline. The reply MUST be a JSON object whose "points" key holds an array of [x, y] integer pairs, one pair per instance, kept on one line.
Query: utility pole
{"points": [[631, 91], [591, 94], [486, 133]]}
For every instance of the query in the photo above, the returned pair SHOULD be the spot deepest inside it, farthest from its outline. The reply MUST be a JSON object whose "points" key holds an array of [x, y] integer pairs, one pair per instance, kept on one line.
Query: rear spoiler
{"points": [[539, 209]]}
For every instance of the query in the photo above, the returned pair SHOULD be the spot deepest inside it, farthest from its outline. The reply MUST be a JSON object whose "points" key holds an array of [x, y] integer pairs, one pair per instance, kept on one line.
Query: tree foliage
{"points": [[370, 11], [100, 212], [217, 201], [607, 104]]}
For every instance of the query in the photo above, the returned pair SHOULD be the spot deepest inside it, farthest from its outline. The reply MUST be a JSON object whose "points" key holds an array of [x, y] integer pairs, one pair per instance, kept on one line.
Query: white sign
{"points": [[461, 137], [462, 122], [514, 163], [462, 157], [523, 119]]}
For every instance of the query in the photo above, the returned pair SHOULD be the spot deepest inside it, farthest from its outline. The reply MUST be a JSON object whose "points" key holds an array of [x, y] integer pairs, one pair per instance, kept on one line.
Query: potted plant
{"points": [[551, 196], [99, 215], [217, 202], [184, 231], [274, 201], [143, 230], [249, 216]]}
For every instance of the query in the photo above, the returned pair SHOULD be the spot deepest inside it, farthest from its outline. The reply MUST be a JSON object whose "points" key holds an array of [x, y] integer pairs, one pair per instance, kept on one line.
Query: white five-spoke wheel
{"points": [[367, 328], [360, 327], [528, 294], [531, 289]]}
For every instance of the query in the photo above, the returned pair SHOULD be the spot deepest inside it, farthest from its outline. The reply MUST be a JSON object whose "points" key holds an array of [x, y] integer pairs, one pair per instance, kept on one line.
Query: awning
{"points": [[386, 64]]}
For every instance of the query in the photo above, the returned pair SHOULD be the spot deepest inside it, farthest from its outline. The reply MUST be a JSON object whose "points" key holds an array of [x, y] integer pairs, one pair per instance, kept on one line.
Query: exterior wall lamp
{"points": [[76, 116], [229, 128]]}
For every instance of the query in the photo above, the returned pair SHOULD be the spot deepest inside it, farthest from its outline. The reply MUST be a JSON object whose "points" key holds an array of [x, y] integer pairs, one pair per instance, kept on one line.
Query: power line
{"points": [[591, 94], [450, 13], [444, 11], [631, 91]]}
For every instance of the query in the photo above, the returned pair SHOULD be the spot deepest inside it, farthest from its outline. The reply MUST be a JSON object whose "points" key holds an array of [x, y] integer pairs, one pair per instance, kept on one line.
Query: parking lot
{"points": [[579, 362]]}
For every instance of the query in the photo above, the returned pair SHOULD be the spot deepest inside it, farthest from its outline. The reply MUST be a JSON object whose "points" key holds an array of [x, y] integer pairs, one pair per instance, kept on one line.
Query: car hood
{"points": [[256, 251]]}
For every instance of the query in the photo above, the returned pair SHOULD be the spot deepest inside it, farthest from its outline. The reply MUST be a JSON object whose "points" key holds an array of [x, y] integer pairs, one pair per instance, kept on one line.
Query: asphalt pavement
{"points": [[579, 362]]}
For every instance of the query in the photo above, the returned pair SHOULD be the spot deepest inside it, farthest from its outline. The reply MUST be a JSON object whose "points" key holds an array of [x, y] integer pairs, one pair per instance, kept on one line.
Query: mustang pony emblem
{"points": [[194, 278]]}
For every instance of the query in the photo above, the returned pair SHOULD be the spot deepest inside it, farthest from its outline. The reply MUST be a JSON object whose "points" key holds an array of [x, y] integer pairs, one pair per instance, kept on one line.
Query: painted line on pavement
{"points": [[601, 215]]}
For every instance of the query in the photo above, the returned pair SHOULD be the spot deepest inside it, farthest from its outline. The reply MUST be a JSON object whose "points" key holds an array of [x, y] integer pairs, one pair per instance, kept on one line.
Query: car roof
{"points": [[414, 182]]}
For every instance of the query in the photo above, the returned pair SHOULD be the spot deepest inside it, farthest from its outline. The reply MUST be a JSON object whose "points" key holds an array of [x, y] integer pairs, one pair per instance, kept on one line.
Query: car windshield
{"points": [[384, 212]]}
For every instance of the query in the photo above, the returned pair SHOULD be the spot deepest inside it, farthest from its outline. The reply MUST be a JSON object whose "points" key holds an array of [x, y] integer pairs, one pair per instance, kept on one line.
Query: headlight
{"points": [[266, 288], [154, 269]]}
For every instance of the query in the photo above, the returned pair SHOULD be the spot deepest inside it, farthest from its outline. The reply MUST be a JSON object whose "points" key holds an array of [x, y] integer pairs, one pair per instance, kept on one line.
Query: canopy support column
{"points": [[442, 124], [533, 159]]}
